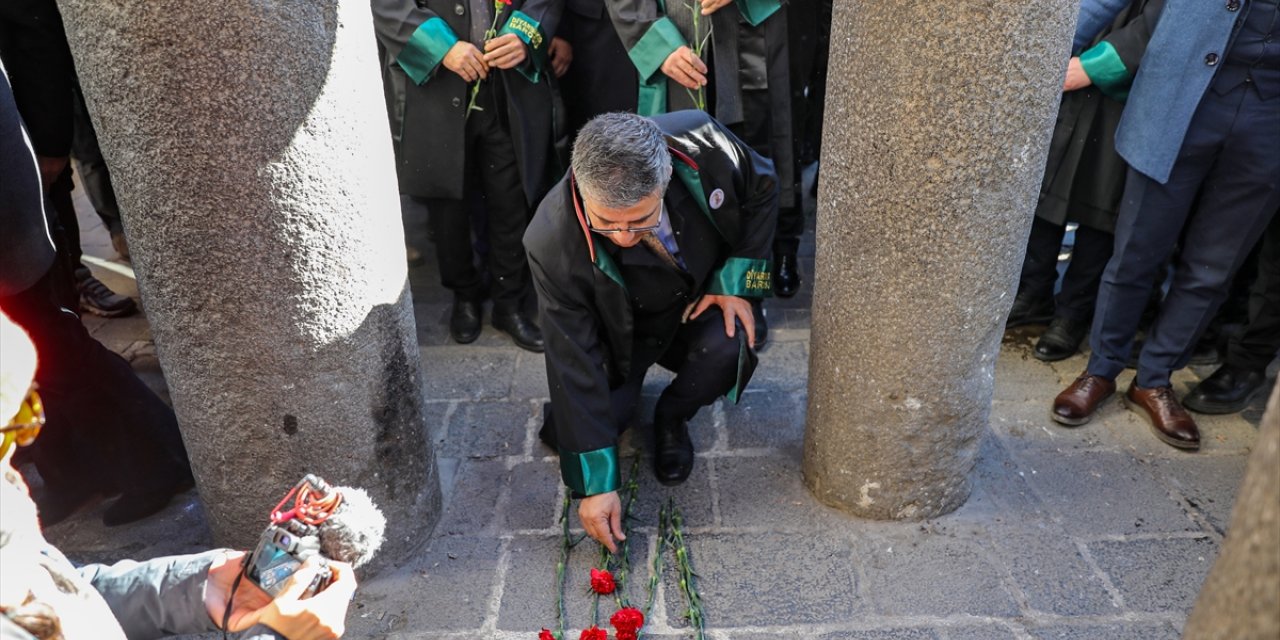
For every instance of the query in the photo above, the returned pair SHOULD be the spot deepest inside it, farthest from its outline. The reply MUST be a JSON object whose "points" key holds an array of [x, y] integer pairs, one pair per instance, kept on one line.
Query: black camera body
{"points": [[281, 550]]}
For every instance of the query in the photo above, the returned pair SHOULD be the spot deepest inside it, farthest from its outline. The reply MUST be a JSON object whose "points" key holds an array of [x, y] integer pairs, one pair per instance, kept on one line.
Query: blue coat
{"points": [[1186, 49]]}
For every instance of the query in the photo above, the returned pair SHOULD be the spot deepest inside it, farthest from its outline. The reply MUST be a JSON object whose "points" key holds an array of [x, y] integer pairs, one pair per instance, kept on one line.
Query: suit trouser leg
{"points": [[1040, 265], [1257, 345], [1148, 226], [705, 362], [1238, 198], [508, 213], [1079, 294]]}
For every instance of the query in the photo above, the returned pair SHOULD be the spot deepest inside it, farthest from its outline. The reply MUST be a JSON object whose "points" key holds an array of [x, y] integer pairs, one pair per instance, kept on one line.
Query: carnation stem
{"points": [[688, 579], [566, 544]]}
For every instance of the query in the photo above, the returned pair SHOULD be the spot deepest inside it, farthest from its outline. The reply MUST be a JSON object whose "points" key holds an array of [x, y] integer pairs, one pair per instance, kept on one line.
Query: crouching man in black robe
{"points": [[634, 268]]}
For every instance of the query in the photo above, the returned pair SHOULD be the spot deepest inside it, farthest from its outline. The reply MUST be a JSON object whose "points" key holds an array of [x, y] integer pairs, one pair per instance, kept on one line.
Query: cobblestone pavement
{"points": [[1098, 532]]}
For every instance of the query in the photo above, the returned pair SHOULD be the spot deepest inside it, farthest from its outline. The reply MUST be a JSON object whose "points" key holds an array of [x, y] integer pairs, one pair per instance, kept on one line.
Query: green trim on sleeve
{"points": [[1106, 70], [426, 49], [530, 32], [757, 11], [735, 394], [654, 47], [743, 277], [592, 472]]}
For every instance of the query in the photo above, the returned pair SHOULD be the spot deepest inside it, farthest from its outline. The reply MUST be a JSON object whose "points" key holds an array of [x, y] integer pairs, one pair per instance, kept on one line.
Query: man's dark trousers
{"points": [[1079, 293], [1230, 157], [491, 166], [1258, 343]]}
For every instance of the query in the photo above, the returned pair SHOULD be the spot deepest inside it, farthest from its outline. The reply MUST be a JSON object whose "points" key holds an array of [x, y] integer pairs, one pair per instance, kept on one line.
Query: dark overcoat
{"points": [[427, 103], [748, 51], [1084, 176], [595, 298]]}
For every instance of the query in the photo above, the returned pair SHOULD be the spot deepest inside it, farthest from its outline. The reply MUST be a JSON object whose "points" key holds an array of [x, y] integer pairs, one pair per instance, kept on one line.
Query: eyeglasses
{"points": [[637, 230], [25, 426]]}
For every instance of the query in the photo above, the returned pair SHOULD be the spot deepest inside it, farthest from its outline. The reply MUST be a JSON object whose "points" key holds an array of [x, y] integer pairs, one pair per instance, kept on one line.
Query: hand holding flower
{"points": [[506, 51]]}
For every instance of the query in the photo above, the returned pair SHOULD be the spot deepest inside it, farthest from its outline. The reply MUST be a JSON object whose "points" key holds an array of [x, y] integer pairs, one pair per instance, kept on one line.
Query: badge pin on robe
{"points": [[716, 199]]}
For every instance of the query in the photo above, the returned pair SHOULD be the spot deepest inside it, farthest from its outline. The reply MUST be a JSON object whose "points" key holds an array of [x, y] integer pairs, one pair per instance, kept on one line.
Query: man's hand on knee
{"points": [[601, 517], [733, 308]]}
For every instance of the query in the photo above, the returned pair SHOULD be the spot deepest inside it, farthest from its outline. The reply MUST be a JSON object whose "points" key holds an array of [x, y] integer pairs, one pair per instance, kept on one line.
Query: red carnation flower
{"points": [[594, 633], [506, 2], [627, 620], [602, 582], [546, 635], [628, 635]]}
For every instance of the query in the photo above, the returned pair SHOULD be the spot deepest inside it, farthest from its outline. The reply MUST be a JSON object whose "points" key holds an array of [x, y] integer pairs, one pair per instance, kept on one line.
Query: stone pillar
{"points": [[1239, 598], [939, 116], [249, 145]]}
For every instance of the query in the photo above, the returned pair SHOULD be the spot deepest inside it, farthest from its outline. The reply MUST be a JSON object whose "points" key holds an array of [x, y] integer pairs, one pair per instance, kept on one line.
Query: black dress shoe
{"points": [[1028, 309], [786, 276], [464, 322], [673, 457], [1061, 340], [521, 328], [1228, 390]]}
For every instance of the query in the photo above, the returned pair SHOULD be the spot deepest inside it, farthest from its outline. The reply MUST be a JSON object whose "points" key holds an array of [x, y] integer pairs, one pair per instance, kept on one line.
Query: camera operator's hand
{"points": [[320, 617], [248, 597]]}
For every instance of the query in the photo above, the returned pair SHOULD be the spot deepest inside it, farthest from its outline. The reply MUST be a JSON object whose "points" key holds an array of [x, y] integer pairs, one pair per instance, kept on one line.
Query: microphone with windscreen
{"points": [[336, 523]]}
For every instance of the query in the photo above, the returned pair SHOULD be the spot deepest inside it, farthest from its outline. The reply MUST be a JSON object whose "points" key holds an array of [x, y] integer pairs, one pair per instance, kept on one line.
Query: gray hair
{"points": [[621, 158]]}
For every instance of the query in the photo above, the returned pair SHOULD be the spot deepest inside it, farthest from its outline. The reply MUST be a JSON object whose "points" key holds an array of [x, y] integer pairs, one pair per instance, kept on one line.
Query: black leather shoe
{"points": [[786, 276], [464, 322], [1061, 340], [673, 457], [1028, 309], [1228, 390], [521, 328]]}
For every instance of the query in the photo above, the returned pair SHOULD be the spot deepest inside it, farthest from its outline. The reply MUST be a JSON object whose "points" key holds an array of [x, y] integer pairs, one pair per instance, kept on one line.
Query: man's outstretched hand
{"points": [[601, 517]]}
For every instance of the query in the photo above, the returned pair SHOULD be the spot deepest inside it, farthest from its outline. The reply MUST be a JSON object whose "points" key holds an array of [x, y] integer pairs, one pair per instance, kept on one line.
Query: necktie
{"points": [[655, 245]]}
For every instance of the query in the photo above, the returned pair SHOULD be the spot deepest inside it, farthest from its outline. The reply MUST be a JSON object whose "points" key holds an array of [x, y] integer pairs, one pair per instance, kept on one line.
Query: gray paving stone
{"points": [[1156, 575], [534, 496], [445, 588], [117, 334], [998, 476], [432, 322], [984, 632], [1104, 493], [1122, 631], [1209, 484], [529, 592], [883, 634], [769, 492], [784, 366], [436, 425], [1019, 377], [467, 372], [1049, 569], [694, 497], [488, 429], [530, 380], [774, 420], [469, 507], [768, 579], [922, 573]]}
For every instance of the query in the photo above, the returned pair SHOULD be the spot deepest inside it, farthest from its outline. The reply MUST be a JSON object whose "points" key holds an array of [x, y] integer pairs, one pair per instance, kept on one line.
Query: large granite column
{"points": [[250, 149], [939, 116], [1240, 597]]}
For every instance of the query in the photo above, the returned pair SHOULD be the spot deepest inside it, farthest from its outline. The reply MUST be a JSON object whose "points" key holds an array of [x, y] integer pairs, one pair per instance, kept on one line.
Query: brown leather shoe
{"points": [[1077, 403], [1172, 424]]}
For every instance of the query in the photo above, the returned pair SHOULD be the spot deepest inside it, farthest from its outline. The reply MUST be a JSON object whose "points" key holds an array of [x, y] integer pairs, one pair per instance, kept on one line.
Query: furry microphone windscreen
{"points": [[353, 534]]}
